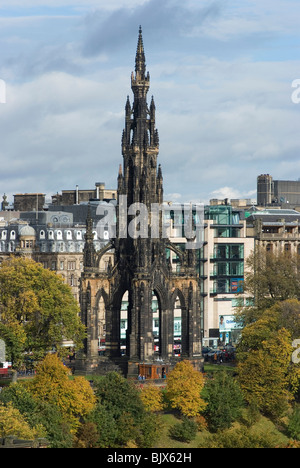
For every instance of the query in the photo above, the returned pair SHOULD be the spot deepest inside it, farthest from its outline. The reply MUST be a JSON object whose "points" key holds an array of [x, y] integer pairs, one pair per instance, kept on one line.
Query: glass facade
{"points": [[228, 268]]}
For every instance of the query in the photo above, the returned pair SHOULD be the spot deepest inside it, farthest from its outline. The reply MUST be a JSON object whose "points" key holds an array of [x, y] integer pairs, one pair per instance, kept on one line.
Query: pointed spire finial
{"points": [[140, 61]]}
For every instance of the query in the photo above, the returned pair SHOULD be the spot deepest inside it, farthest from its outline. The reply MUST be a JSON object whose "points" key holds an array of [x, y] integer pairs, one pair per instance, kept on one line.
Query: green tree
{"points": [[87, 436], [293, 428], [37, 310], [120, 415], [185, 431], [224, 401]]}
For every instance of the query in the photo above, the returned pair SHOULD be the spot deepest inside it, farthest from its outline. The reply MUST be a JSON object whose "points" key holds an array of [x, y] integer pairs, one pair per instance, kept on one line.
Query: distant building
{"points": [[55, 239], [276, 230], [281, 193], [77, 196], [29, 201]]}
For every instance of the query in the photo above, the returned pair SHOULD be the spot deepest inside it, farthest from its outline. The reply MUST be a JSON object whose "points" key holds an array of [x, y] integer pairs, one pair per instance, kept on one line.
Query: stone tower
{"points": [[140, 267]]}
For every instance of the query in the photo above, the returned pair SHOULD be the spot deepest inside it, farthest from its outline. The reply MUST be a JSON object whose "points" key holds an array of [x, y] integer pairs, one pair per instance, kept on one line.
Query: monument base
{"points": [[130, 368]]}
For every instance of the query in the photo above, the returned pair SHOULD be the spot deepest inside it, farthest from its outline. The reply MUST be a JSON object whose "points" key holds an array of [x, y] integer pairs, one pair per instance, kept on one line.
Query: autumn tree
{"points": [[13, 423], [74, 398], [184, 386], [152, 398], [38, 414], [37, 310], [267, 375]]}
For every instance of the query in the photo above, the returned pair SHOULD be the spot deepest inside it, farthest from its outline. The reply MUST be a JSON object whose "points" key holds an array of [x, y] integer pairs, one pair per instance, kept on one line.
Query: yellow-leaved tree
{"points": [[184, 387], [152, 398], [268, 377], [12, 423], [74, 398]]}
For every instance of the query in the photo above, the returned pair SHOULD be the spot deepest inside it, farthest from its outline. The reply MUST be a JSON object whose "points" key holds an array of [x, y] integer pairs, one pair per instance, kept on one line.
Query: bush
{"points": [[224, 401], [294, 425], [185, 431], [240, 438]]}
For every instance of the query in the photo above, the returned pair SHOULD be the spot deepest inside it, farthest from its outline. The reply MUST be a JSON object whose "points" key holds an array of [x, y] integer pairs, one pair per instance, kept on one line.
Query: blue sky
{"points": [[221, 75]]}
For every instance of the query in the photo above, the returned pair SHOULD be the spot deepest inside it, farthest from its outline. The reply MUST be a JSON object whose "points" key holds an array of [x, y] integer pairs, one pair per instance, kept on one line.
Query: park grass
{"points": [[214, 368]]}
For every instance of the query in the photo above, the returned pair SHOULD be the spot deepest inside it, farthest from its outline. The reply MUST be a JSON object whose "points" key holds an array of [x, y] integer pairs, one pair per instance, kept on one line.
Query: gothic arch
{"points": [[162, 294], [102, 294], [178, 293]]}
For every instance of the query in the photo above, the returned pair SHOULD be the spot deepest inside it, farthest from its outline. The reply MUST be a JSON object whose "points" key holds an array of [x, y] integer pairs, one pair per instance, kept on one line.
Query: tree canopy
{"points": [[267, 375], [272, 277], [184, 386], [120, 415], [74, 398], [37, 310]]}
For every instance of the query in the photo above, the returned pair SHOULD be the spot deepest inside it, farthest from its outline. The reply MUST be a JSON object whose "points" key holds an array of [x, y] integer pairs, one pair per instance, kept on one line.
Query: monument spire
{"points": [[140, 61]]}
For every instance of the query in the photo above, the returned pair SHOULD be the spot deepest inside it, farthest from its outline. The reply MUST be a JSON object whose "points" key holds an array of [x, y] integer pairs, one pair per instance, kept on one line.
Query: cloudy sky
{"points": [[221, 75]]}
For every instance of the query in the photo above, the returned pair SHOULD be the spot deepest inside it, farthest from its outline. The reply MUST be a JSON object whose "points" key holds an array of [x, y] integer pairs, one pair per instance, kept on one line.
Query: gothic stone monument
{"points": [[140, 267]]}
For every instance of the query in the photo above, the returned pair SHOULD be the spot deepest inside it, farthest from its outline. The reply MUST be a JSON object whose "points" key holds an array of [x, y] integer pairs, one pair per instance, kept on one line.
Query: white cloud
{"points": [[231, 193], [221, 75]]}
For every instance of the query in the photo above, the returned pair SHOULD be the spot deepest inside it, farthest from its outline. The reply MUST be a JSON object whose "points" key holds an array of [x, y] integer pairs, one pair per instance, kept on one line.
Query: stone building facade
{"points": [[53, 239], [276, 230]]}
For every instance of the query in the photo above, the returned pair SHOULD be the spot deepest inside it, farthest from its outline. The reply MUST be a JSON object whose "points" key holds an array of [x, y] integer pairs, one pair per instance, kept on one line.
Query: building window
{"points": [[237, 302], [72, 281], [71, 265], [27, 244]]}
